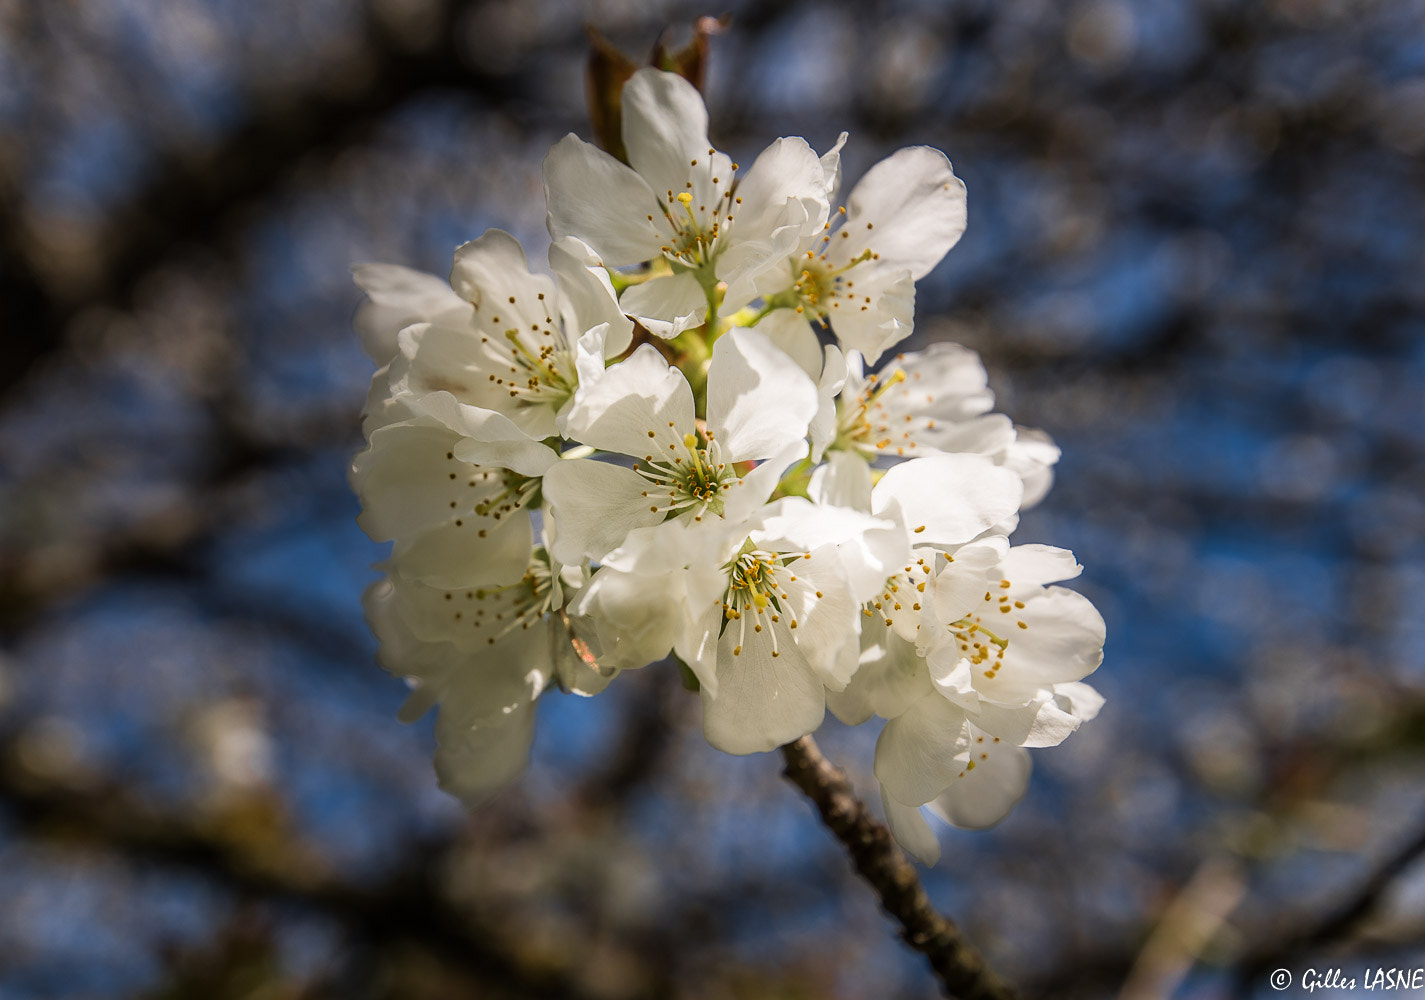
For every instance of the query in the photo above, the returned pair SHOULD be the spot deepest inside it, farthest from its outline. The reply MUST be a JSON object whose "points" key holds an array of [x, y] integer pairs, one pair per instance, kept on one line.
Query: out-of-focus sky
{"points": [[1193, 257]]}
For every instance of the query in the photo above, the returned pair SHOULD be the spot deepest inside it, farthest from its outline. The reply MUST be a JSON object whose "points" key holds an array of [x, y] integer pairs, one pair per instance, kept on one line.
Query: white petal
{"points": [[891, 676], [946, 381], [921, 751], [873, 327], [820, 601], [425, 665], [786, 170], [456, 555], [435, 358], [593, 196], [455, 361], [1033, 455], [759, 401], [832, 379], [681, 545], [915, 206], [635, 616], [948, 499], [667, 305], [790, 333], [1063, 642], [432, 357], [990, 435], [850, 705], [952, 678], [590, 354], [402, 481], [865, 548], [489, 438], [1079, 698], [474, 764], [696, 644], [911, 830], [843, 480], [629, 407], [596, 505], [1037, 724], [752, 490], [985, 795], [492, 685], [762, 701], [382, 407], [397, 297], [831, 166], [410, 479], [758, 268], [665, 128], [492, 274], [1035, 565], [587, 296]]}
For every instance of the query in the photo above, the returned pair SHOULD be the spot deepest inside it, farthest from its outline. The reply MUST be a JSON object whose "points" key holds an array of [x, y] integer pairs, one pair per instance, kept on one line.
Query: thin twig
{"points": [[1342, 921], [1186, 928], [959, 966]]}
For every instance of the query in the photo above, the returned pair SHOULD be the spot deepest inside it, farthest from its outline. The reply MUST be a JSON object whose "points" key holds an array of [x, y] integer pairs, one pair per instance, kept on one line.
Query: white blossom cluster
{"points": [[651, 455]]}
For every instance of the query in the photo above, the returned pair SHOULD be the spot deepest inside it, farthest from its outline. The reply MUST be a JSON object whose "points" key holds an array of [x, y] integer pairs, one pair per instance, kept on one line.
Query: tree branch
{"points": [[959, 966], [1341, 922], [410, 910], [202, 196]]}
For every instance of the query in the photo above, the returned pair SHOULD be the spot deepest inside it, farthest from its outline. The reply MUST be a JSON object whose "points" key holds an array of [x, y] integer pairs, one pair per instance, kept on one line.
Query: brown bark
{"points": [[959, 966]]}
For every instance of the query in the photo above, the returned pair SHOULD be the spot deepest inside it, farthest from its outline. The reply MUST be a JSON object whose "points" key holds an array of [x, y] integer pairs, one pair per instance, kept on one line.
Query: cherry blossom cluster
{"points": [[671, 450]]}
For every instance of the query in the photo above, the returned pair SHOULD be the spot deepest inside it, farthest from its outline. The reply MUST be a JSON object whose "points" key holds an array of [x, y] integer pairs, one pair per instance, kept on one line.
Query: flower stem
{"points": [[958, 965]]}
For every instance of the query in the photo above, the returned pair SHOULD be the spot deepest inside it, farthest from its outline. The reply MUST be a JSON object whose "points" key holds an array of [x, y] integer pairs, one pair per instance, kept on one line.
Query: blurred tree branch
{"points": [[198, 196], [407, 910], [959, 966], [1337, 925]]}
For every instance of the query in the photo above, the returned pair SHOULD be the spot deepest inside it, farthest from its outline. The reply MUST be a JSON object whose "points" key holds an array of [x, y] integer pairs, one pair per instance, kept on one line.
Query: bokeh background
{"points": [[1194, 257]]}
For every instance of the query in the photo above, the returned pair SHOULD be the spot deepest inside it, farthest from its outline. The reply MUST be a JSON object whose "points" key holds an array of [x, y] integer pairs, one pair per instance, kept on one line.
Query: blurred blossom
{"points": [[54, 747], [1299, 468], [238, 750], [1401, 117], [908, 56], [1101, 33]]}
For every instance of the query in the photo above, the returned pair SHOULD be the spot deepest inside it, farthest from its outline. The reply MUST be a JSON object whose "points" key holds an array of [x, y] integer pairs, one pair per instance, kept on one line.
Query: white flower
{"points": [[513, 350], [859, 274], [680, 202], [890, 589], [1003, 661], [451, 486], [979, 799], [937, 503], [930, 402], [785, 626], [954, 738], [1004, 636], [517, 357], [484, 655], [758, 407], [763, 612], [647, 589]]}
